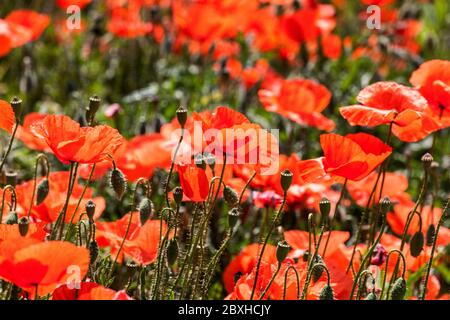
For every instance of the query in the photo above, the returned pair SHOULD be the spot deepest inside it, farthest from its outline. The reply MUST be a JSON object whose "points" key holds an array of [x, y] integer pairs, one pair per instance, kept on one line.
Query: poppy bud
{"points": [[91, 110], [16, 104], [23, 226], [172, 251], [286, 179], [118, 183], [210, 161], [385, 204], [145, 210], [317, 269], [427, 159], [199, 161], [431, 231], [42, 191], [398, 289], [230, 196], [326, 293], [90, 209], [416, 244], [233, 217], [283, 249], [306, 256], [325, 206], [182, 116], [12, 218], [371, 296], [178, 195], [93, 251]]}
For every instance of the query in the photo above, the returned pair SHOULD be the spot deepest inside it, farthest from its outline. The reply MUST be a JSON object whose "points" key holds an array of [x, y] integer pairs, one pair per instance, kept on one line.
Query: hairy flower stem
{"points": [[311, 259], [8, 150], [266, 240], [400, 254], [60, 221], [433, 249], [408, 222], [13, 200], [69, 229], [246, 187], [161, 247], [199, 233], [270, 282], [166, 191], [333, 217], [47, 166], [285, 281], [366, 210], [367, 257], [211, 267]]}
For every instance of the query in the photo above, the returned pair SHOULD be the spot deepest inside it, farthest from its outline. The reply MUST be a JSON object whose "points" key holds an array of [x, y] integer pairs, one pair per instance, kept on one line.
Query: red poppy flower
{"points": [[64, 4], [299, 100], [352, 157], [89, 291], [194, 182], [25, 134], [8, 118], [432, 79], [394, 187], [50, 208], [390, 102], [71, 143], [31, 20], [245, 262], [11, 232], [141, 243], [12, 35], [397, 221], [143, 154], [40, 267], [127, 23]]}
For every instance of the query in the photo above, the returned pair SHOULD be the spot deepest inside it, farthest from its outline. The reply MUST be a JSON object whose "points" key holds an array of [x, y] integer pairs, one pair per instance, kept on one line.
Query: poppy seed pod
{"points": [[182, 116], [118, 183], [427, 159], [210, 161], [93, 251], [23, 226], [12, 218], [326, 293], [371, 296], [286, 179], [90, 209], [431, 231], [385, 204], [325, 207], [199, 161], [416, 244], [91, 110], [172, 251], [230, 196], [398, 289], [283, 249], [305, 256], [42, 191], [233, 217], [178, 195], [145, 210], [16, 104]]}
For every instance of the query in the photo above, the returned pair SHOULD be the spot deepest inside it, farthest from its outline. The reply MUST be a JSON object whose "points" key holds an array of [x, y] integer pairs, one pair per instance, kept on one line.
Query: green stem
{"points": [[266, 240], [8, 150]]}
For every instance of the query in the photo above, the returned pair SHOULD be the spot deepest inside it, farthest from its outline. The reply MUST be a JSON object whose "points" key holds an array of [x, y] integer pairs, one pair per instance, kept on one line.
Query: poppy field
{"points": [[224, 150]]}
